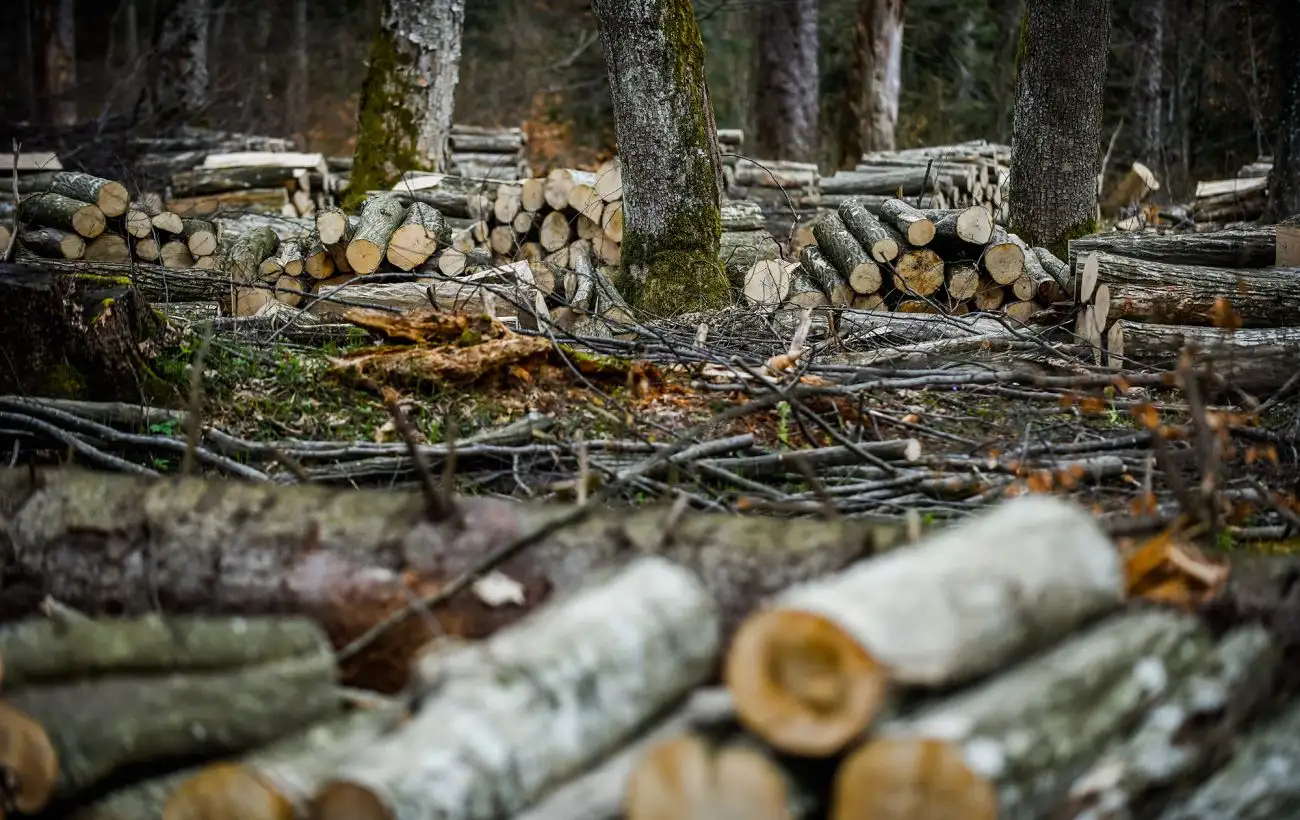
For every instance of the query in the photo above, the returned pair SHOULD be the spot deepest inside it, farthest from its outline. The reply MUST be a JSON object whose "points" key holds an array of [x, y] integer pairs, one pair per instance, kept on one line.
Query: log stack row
{"points": [[898, 687], [1222, 201], [941, 176], [888, 255]]}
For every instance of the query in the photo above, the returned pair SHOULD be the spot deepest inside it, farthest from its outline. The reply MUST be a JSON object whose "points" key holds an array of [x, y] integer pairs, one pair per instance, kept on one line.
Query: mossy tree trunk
{"points": [[1056, 139], [409, 92], [1284, 180], [870, 119], [668, 141], [786, 88], [177, 90]]}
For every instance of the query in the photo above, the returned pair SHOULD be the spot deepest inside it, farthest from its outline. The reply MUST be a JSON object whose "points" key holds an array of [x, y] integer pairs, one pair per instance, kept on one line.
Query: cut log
{"points": [[1288, 246], [821, 271], [964, 231], [1186, 732], [737, 250], [29, 761], [884, 181], [989, 295], [584, 199], [804, 292], [768, 282], [320, 262], [556, 231], [202, 181], [1058, 270], [506, 204], [1181, 294], [502, 240], [873, 236], [913, 778], [109, 247], [532, 195], [869, 301], [809, 672], [419, 235], [560, 181], [899, 329], [449, 194], [263, 159], [243, 258], [174, 254], [1257, 360], [52, 243], [137, 223], [59, 211], [1078, 699], [911, 223], [919, 272], [148, 249], [331, 224], [1021, 311], [467, 138], [847, 254], [1003, 259], [1232, 248], [289, 290], [611, 221], [289, 258], [99, 726], [1131, 191], [109, 196], [636, 640], [168, 222], [742, 215], [267, 200], [916, 306], [200, 236], [609, 180], [961, 280], [380, 216], [778, 174]]}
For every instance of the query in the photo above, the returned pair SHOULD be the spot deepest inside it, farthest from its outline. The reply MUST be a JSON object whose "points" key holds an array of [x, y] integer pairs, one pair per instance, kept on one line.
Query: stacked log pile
{"points": [[912, 261], [999, 667], [941, 177], [492, 153]]}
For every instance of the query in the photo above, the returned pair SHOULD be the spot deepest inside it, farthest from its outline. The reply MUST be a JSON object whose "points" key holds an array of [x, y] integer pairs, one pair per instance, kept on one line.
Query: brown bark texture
{"points": [[178, 73], [1149, 17], [1056, 144], [875, 80], [786, 88], [1284, 180]]}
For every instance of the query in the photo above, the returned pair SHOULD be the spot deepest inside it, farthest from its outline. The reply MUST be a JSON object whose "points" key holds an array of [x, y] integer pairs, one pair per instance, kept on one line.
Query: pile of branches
{"points": [[600, 664]]}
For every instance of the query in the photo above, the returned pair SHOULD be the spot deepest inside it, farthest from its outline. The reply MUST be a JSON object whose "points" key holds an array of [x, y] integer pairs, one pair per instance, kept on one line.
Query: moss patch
{"points": [[388, 126]]}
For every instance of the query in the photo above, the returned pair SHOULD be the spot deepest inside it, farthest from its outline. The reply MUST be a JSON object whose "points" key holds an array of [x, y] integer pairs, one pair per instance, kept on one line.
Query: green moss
{"points": [[1061, 247], [387, 129], [63, 381]]}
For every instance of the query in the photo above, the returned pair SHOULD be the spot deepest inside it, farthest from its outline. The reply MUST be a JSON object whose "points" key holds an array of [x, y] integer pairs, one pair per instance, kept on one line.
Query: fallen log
{"points": [[52, 243], [941, 612], [1186, 295], [109, 196], [1031, 731], [895, 328], [634, 641], [1230, 248], [102, 723], [1257, 360], [846, 254], [1188, 733], [58, 211], [915, 226], [882, 243], [72, 335], [380, 216], [337, 555]]}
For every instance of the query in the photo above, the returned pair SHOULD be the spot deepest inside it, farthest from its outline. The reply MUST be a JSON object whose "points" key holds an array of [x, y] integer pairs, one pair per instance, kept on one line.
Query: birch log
{"points": [[942, 612], [58, 211], [915, 226], [881, 242], [506, 723], [380, 216], [109, 196], [847, 254]]}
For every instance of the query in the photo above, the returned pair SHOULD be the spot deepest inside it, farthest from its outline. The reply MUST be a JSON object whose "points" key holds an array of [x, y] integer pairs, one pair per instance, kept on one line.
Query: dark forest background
{"points": [[538, 63]]}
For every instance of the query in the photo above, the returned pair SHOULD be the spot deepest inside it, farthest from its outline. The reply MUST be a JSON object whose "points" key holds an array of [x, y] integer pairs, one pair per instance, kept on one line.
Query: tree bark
{"points": [[300, 70], [57, 61], [404, 121], [1056, 144], [178, 87], [786, 89], [875, 80], [1284, 181], [672, 172], [1149, 105]]}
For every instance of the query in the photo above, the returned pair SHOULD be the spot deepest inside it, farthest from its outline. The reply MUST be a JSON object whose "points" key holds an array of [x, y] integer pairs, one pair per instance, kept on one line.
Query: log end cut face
{"points": [[802, 682], [227, 790], [28, 763], [344, 800], [911, 777]]}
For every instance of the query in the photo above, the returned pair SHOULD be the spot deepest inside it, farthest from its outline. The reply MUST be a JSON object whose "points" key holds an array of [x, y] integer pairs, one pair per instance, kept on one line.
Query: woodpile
{"points": [[884, 254], [491, 153], [940, 176], [1000, 666]]}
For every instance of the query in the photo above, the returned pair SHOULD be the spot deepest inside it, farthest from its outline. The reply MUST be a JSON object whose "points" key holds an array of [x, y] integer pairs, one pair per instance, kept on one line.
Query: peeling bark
{"points": [[668, 143], [1056, 144], [786, 91], [404, 121]]}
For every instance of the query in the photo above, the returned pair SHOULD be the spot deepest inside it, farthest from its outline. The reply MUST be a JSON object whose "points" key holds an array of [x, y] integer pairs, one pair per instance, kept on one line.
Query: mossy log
{"points": [[958, 605], [1253, 247], [74, 335], [58, 211], [504, 725], [1032, 730], [1257, 360], [104, 723], [109, 196], [1187, 295], [847, 254]]}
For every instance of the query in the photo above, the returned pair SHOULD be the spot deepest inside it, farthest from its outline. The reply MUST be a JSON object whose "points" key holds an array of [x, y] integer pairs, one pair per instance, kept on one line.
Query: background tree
{"points": [[404, 117], [786, 88], [177, 86], [875, 80], [668, 142], [1148, 108], [56, 64], [1284, 180], [1056, 143]]}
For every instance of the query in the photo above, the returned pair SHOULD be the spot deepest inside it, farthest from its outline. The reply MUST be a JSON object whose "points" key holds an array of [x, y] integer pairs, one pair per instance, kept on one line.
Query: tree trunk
{"points": [[1148, 106], [875, 80], [57, 61], [672, 172], [1056, 144], [178, 86], [298, 82], [786, 91], [1284, 181], [404, 121]]}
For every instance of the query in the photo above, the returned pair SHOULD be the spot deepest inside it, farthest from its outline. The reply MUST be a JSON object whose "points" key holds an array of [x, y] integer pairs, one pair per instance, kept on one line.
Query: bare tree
{"points": [[409, 92], [785, 88], [56, 67], [1284, 180], [668, 144], [875, 80], [177, 86], [1148, 108], [1056, 140], [300, 70]]}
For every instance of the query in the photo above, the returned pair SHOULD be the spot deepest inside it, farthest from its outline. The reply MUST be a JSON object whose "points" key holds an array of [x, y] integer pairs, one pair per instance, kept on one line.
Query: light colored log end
{"points": [[28, 759], [911, 778], [682, 779], [227, 790], [801, 682]]}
